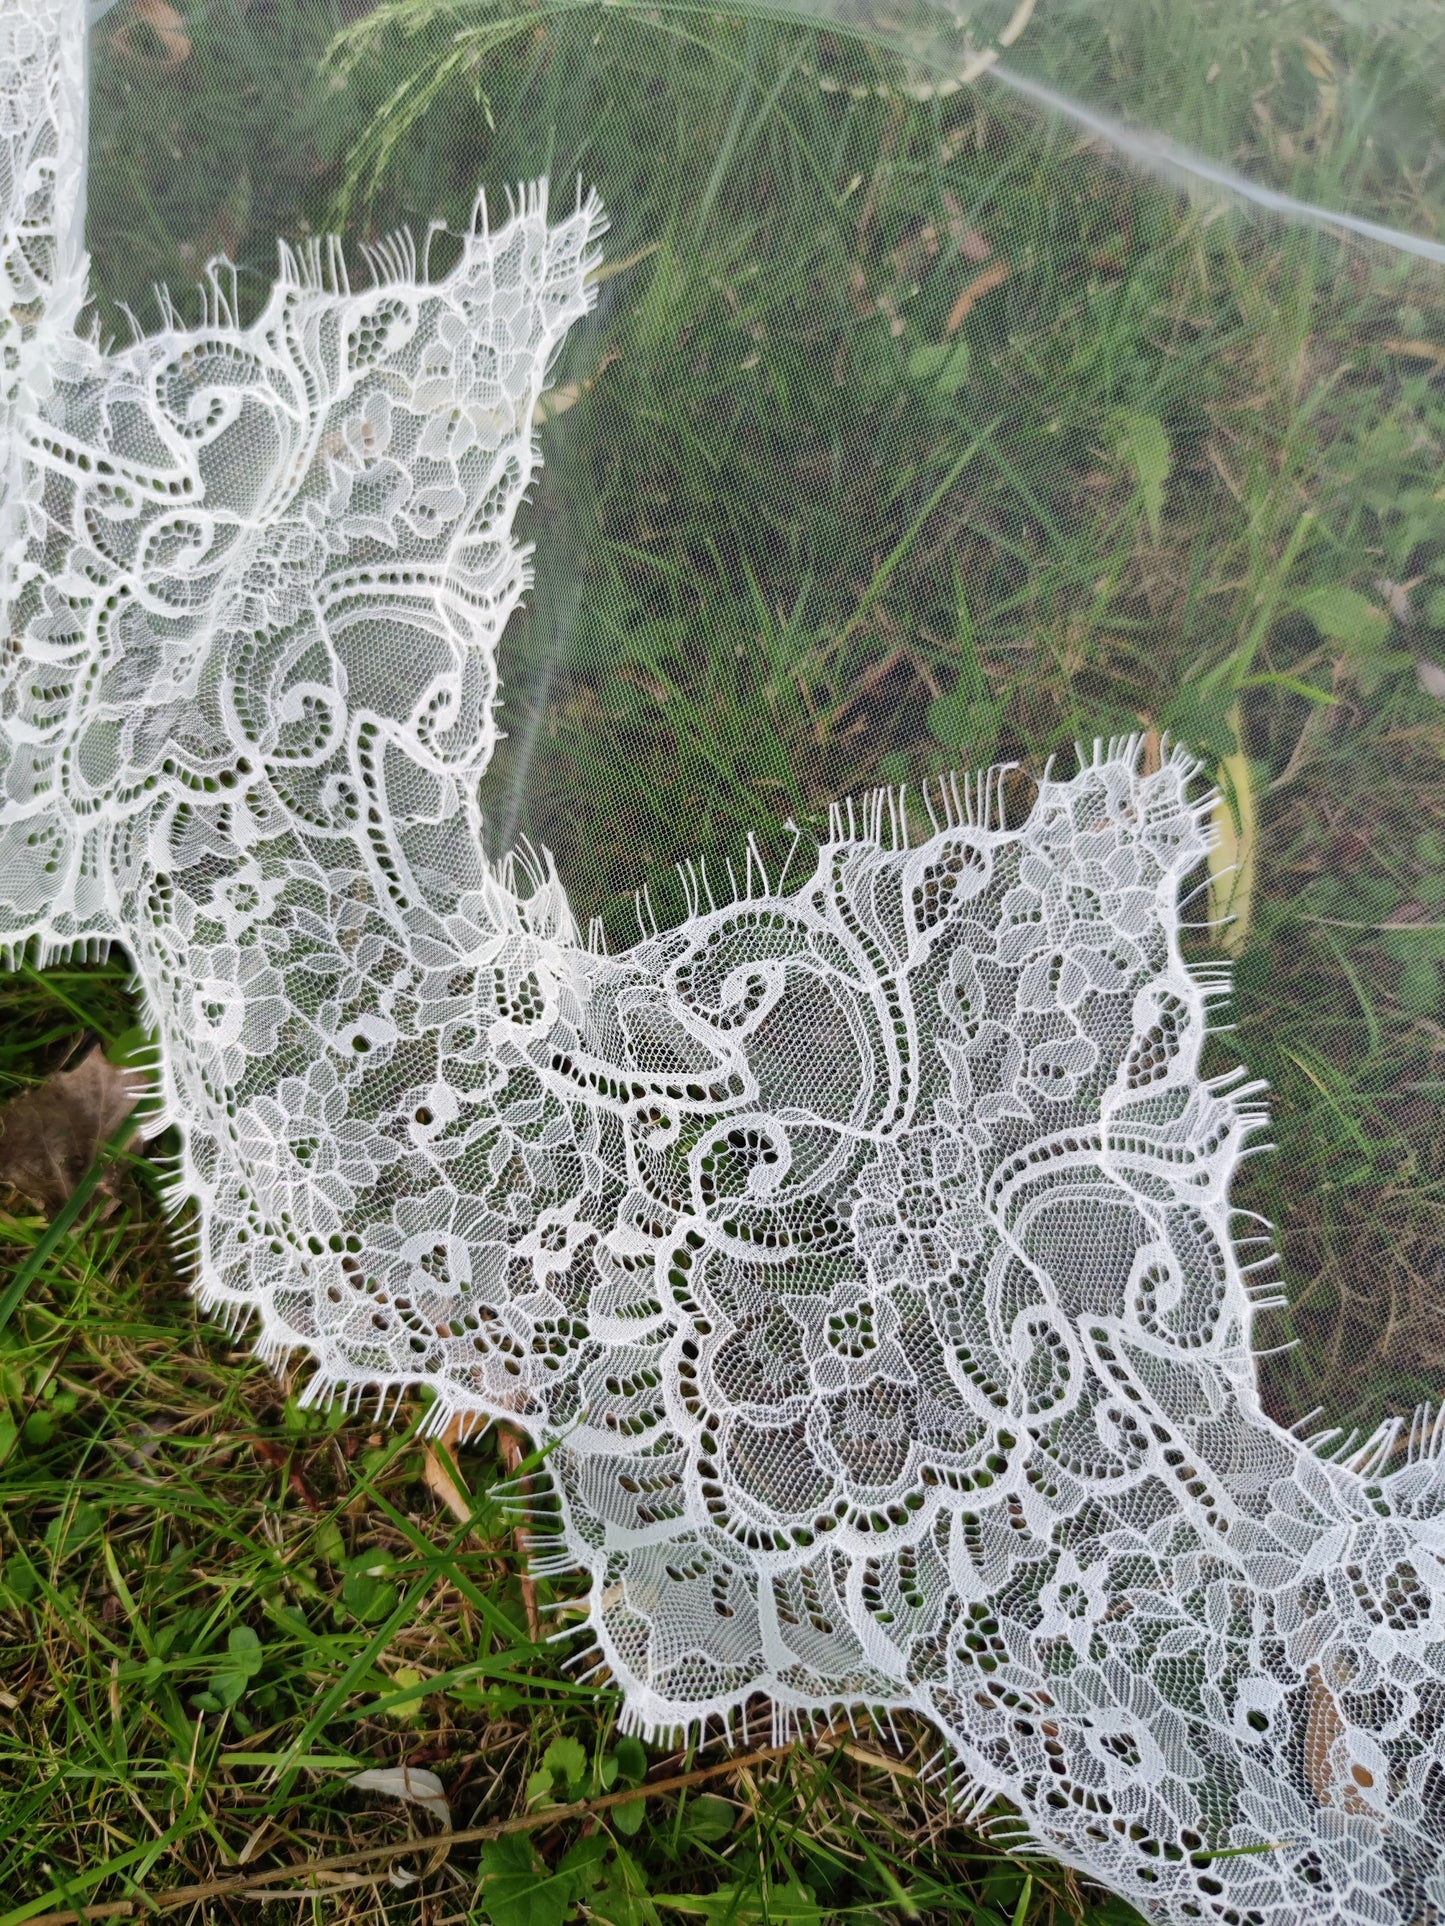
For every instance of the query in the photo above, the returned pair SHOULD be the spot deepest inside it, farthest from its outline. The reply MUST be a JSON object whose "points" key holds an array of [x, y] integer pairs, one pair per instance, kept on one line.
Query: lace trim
{"points": [[862, 1249]]}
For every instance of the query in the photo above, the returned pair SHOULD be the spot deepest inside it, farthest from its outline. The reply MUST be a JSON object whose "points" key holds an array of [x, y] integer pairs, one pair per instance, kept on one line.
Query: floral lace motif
{"points": [[863, 1250]]}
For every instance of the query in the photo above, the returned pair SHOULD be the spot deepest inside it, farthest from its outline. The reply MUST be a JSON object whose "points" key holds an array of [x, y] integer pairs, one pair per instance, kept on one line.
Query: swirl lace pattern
{"points": [[863, 1251]]}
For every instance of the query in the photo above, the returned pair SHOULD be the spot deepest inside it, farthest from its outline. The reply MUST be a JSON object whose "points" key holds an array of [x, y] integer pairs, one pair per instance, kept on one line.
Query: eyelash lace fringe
{"points": [[861, 1252]]}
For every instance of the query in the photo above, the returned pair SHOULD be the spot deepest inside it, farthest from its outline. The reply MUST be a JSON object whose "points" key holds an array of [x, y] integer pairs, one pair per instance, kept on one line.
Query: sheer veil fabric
{"points": [[861, 1248]]}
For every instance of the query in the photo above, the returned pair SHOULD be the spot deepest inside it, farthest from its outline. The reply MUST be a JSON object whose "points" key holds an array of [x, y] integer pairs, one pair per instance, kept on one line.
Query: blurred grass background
{"points": [[913, 430]]}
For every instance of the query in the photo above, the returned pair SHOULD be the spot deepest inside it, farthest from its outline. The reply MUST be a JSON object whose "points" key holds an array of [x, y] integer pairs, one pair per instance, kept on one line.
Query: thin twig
{"points": [[342, 1862]]}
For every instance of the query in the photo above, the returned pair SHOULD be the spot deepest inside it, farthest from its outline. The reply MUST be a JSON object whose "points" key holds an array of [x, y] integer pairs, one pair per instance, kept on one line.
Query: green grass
{"points": [[793, 540]]}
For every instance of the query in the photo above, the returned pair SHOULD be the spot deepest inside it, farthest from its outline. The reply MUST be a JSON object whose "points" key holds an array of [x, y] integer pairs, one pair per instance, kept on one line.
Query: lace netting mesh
{"points": [[861, 1247]]}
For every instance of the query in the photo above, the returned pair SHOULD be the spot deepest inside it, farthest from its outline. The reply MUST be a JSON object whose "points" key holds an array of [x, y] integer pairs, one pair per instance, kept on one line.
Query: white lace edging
{"points": [[860, 1250]]}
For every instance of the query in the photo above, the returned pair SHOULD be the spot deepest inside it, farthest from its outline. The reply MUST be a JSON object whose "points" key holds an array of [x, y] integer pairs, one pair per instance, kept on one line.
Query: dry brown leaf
{"points": [[166, 27], [49, 1136], [444, 1486], [254, 1842], [978, 287]]}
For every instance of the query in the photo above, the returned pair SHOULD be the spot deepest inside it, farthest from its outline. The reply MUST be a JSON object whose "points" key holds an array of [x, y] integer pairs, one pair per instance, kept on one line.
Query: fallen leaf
{"points": [[420, 1788], [423, 1788], [49, 1136], [167, 28], [1431, 678], [407, 1782], [443, 1485], [978, 287], [254, 1842]]}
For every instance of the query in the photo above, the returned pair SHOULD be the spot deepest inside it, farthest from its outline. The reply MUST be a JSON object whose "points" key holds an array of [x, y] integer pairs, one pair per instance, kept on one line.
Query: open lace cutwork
{"points": [[862, 1248]]}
